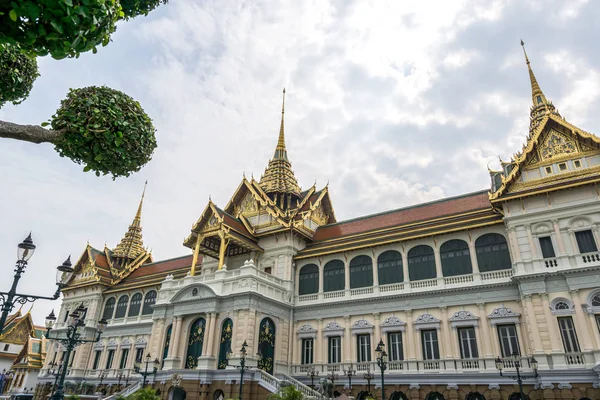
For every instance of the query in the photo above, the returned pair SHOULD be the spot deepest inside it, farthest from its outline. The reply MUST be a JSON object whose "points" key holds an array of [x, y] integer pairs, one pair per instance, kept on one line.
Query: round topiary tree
{"points": [[104, 129], [18, 71]]}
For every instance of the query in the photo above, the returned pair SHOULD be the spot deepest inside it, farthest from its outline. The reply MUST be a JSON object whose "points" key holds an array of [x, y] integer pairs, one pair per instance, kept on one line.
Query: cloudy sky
{"points": [[394, 103]]}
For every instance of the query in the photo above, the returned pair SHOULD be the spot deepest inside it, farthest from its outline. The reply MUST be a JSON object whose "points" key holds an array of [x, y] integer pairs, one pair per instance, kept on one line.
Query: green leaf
{"points": [[86, 168], [56, 26], [45, 123], [68, 2], [13, 15]]}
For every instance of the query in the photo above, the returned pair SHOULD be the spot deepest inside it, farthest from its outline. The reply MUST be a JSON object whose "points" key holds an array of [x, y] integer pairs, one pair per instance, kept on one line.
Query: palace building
{"points": [[511, 271]]}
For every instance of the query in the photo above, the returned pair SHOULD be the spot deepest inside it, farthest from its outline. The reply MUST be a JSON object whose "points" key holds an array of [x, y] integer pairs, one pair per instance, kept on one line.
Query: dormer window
{"points": [[562, 166], [539, 99], [548, 170], [577, 164]]}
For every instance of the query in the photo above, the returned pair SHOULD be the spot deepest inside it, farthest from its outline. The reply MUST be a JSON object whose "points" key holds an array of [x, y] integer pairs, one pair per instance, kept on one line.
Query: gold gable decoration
{"points": [[556, 144], [131, 245]]}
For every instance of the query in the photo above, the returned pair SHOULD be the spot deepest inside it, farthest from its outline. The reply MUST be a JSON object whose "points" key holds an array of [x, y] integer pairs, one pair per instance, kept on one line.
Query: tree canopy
{"points": [[102, 128]]}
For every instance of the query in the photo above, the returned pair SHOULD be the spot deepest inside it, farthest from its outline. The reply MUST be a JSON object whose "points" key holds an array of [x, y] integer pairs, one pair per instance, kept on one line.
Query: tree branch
{"points": [[28, 133]]}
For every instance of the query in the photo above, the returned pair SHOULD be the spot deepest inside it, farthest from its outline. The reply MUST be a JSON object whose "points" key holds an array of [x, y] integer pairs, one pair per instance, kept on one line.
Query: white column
{"points": [[586, 340], [321, 273], [319, 342], [211, 333], [347, 339], [405, 266], [552, 325], [559, 239], [438, 262], [447, 342], [473, 254], [410, 336], [375, 271], [532, 244], [532, 324]]}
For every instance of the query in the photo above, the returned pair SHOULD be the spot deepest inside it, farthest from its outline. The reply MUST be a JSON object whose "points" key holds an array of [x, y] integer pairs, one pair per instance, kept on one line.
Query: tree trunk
{"points": [[28, 133]]}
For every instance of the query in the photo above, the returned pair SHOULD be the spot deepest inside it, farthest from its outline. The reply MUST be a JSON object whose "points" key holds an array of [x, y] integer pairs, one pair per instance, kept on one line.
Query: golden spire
{"points": [[131, 246], [278, 176], [280, 150], [541, 106]]}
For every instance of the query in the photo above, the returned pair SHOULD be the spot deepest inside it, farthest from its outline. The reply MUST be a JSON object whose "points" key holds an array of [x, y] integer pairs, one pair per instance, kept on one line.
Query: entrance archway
{"points": [[219, 395], [398, 396], [177, 393]]}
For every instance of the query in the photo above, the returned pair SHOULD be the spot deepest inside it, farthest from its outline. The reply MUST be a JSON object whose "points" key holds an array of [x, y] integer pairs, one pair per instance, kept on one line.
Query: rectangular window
{"points": [[335, 350], [124, 357], [139, 354], [569, 336], [429, 340], [6, 346], [598, 321], [97, 359], [562, 166], [363, 348], [577, 163], [548, 170], [467, 342], [395, 346], [109, 359], [547, 248], [66, 316], [509, 342], [307, 351], [586, 242]]}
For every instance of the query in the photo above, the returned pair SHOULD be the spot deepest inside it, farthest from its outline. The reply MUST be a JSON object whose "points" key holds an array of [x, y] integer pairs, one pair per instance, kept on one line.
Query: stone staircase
{"points": [[273, 384], [134, 387]]}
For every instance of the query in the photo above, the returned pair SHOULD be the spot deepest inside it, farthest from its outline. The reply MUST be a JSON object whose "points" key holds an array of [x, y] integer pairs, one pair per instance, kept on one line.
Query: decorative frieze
{"points": [[362, 326], [504, 315], [306, 331], [464, 318], [427, 321], [333, 329], [392, 324]]}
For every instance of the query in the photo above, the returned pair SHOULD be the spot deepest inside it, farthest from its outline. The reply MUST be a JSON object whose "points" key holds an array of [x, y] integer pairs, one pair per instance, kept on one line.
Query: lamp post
{"points": [[25, 250], [54, 371], [350, 372], [102, 375], [331, 375], [311, 373], [120, 377], [146, 373], [70, 341], [515, 361], [4, 376], [382, 363], [242, 367], [369, 377]]}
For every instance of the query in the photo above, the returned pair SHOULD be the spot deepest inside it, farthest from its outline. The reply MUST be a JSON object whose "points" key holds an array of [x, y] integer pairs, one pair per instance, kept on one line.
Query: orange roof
{"points": [[422, 212], [163, 266]]}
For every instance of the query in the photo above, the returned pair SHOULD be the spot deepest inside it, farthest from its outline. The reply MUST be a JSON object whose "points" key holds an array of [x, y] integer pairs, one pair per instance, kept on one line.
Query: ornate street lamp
{"points": [[515, 361], [4, 376], [311, 373], [70, 341], [382, 363], [54, 371], [102, 375], [8, 299], [146, 373], [369, 376], [242, 367], [350, 372], [331, 375]]}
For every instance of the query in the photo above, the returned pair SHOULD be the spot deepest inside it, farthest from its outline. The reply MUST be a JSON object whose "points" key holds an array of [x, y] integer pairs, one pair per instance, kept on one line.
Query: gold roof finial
{"points": [[541, 106], [536, 92], [280, 150], [131, 245], [278, 176]]}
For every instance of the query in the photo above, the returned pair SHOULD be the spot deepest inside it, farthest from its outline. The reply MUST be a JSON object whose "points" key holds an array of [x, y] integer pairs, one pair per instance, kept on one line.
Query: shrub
{"points": [[18, 71]]}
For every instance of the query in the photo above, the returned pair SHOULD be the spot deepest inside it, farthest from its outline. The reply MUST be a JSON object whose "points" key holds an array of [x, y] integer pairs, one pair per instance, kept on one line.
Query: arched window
{"points": [[135, 305], [596, 300], [434, 396], [389, 267], [398, 396], [334, 276], [226, 335], [361, 272], [308, 281], [149, 301], [492, 252], [456, 259], [195, 342], [475, 396], [421, 263], [266, 345], [122, 306], [167, 343], [109, 308], [561, 305]]}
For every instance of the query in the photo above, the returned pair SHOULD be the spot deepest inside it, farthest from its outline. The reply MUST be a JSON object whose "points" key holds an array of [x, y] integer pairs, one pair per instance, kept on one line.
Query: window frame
{"points": [[124, 358], [96, 362], [546, 249], [361, 272], [467, 345], [308, 348], [568, 334], [421, 262], [339, 268], [334, 350], [306, 280], [503, 351], [396, 347], [110, 357], [430, 346], [363, 348], [579, 241]]}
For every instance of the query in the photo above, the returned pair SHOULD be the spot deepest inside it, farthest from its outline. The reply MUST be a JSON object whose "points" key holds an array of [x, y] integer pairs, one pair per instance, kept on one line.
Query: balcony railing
{"points": [[487, 365], [501, 276]]}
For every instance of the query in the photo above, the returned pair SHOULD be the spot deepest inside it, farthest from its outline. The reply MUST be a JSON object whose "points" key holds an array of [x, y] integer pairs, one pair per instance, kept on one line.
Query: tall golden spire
{"points": [[131, 246], [279, 177], [541, 106], [280, 150]]}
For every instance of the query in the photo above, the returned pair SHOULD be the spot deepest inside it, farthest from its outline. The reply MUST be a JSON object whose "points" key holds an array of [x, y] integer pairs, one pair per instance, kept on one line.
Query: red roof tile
{"points": [[163, 266], [421, 212]]}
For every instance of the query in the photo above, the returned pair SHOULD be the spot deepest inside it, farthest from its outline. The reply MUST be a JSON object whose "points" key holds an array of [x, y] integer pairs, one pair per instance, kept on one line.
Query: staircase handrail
{"points": [[134, 387]]}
